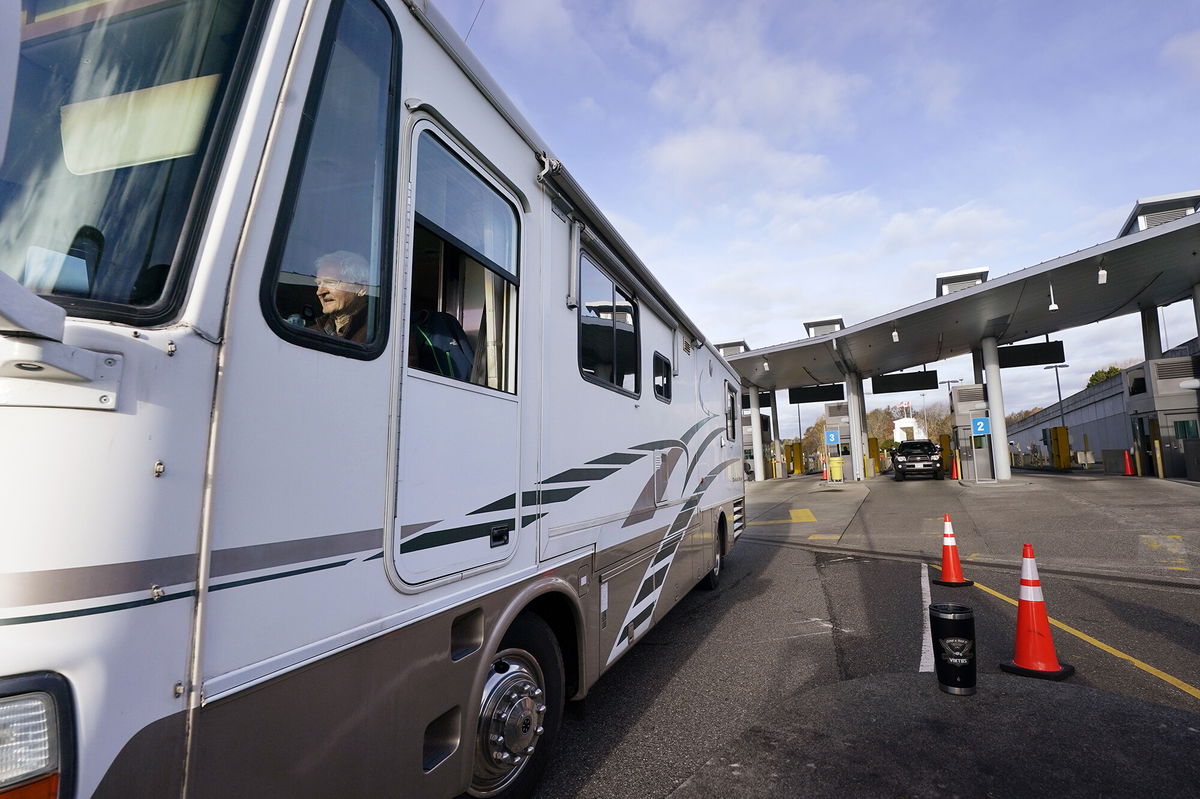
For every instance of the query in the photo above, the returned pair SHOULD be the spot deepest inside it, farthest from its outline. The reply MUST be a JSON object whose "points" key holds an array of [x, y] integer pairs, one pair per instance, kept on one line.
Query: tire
{"points": [[510, 752], [939, 475], [899, 476], [713, 578]]}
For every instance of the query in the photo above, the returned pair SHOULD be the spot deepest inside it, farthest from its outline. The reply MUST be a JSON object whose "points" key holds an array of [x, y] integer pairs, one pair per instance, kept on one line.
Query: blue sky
{"points": [[777, 161]]}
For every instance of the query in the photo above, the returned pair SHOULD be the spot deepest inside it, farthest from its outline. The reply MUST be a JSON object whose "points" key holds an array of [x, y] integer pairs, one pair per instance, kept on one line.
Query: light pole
{"points": [[924, 415], [799, 443], [1058, 383]]}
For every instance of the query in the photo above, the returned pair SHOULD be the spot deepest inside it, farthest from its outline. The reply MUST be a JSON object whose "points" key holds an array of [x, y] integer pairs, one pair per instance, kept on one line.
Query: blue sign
{"points": [[832, 438], [981, 426]]}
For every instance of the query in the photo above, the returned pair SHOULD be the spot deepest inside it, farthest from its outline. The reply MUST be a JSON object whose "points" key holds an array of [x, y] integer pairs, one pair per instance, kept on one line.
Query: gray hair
{"points": [[351, 267]]}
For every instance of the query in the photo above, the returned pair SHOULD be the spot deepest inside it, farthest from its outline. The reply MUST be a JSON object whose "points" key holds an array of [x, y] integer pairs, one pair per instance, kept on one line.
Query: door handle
{"points": [[499, 535]]}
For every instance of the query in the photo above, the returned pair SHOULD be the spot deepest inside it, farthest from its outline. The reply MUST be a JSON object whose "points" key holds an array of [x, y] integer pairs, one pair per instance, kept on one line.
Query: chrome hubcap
{"points": [[510, 720]]}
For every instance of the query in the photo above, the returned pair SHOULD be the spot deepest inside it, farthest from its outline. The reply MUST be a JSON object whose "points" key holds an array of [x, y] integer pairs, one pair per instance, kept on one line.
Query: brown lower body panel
{"points": [[377, 720]]}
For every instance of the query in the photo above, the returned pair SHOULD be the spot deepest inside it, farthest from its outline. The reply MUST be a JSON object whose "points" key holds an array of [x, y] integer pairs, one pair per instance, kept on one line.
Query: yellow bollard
{"points": [[835, 470]]}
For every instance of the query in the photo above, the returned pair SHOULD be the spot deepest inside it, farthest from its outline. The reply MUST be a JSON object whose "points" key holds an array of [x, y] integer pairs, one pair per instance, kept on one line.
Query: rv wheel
{"points": [[713, 578], [520, 712]]}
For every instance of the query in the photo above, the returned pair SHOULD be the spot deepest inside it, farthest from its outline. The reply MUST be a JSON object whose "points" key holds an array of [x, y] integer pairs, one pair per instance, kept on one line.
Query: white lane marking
{"points": [[926, 633]]}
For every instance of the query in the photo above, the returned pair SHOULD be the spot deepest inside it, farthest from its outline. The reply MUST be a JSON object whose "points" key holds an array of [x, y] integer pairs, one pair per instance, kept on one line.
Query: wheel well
{"points": [[555, 609], [722, 534]]}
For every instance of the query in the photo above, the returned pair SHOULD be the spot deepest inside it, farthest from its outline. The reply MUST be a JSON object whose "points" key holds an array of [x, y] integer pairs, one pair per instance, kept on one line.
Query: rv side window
{"points": [[608, 330], [662, 377], [732, 411], [464, 273], [328, 278]]}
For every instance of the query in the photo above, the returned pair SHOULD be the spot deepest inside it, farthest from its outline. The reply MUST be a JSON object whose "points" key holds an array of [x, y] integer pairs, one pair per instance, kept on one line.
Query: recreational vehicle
{"points": [[342, 438]]}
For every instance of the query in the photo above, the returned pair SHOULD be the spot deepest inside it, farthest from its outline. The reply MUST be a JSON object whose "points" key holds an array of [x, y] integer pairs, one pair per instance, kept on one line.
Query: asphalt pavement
{"points": [[898, 734]]}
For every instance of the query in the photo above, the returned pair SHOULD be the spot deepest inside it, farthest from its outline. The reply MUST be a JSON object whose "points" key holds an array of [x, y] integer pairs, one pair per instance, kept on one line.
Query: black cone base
{"points": [[963, 584], [1063, 673]]}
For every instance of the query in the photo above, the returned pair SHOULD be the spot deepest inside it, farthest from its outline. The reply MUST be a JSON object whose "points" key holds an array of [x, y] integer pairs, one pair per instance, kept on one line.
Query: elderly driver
{"points": [[342, 279]]}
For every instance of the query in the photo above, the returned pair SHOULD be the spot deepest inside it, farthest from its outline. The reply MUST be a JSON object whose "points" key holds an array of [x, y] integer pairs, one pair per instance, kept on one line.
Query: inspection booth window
{"points": [[608, 330]]}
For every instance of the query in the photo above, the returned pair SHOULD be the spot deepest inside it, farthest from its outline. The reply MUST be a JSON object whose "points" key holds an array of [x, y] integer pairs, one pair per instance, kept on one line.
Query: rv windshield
{"points": [[115, 106]]}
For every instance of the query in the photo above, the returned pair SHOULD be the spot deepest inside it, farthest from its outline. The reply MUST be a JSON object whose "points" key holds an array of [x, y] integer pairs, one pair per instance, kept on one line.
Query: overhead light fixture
{"points": [[895, 335], [1053, 305], [766, 365], [1102, 275]]}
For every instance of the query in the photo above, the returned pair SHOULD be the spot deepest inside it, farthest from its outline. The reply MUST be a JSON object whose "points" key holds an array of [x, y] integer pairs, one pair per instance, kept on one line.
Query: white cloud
{"points": [[723, 70], [1183, 52], [972, 226], [935, 84], [729, 156]]}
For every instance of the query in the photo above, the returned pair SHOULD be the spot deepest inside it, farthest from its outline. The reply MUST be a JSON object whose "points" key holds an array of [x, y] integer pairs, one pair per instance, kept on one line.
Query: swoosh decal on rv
{"points": [[642, 609]]}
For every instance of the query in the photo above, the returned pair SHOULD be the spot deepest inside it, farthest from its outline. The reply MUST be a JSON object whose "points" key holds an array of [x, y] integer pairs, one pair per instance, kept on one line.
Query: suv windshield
{"points": [[916, 448], [116, 102]]}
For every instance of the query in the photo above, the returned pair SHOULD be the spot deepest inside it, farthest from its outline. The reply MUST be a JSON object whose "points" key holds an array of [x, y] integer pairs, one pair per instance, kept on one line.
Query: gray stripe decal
{"points": [[550, 496], [508, 503], [110, 579], [90, 582], [409, 530], [696, 428], [653, 581], [285, 553], [645, 507], [667, 443], [579, 475], [696, 460], [138, 603], [542, 496], [637, 622], [454, 535], [618, 459]]}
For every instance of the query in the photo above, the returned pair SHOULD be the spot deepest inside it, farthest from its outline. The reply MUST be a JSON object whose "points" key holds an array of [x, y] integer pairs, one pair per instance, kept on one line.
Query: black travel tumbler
{"points": [[953, 630]]}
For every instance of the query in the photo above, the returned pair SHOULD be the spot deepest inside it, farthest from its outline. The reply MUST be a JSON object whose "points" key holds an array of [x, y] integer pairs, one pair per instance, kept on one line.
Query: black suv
{"points": [[917, 457]]}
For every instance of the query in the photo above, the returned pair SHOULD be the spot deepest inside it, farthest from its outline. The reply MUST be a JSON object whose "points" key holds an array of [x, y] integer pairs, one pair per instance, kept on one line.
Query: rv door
{"points": [[458, 503]]}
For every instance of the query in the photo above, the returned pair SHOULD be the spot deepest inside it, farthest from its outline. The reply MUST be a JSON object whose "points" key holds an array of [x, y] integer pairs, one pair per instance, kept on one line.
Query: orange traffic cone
{"points": [[1128, 465], [1033, 655], [954, 467], [824, 471], [951, 570]]}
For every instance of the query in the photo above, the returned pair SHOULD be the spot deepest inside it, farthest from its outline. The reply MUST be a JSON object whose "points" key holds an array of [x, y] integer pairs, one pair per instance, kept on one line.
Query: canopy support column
{"points": [[756, 434], [854, 397], [1151, 335], [780, 468], [1196, 306], [995, 396]]}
